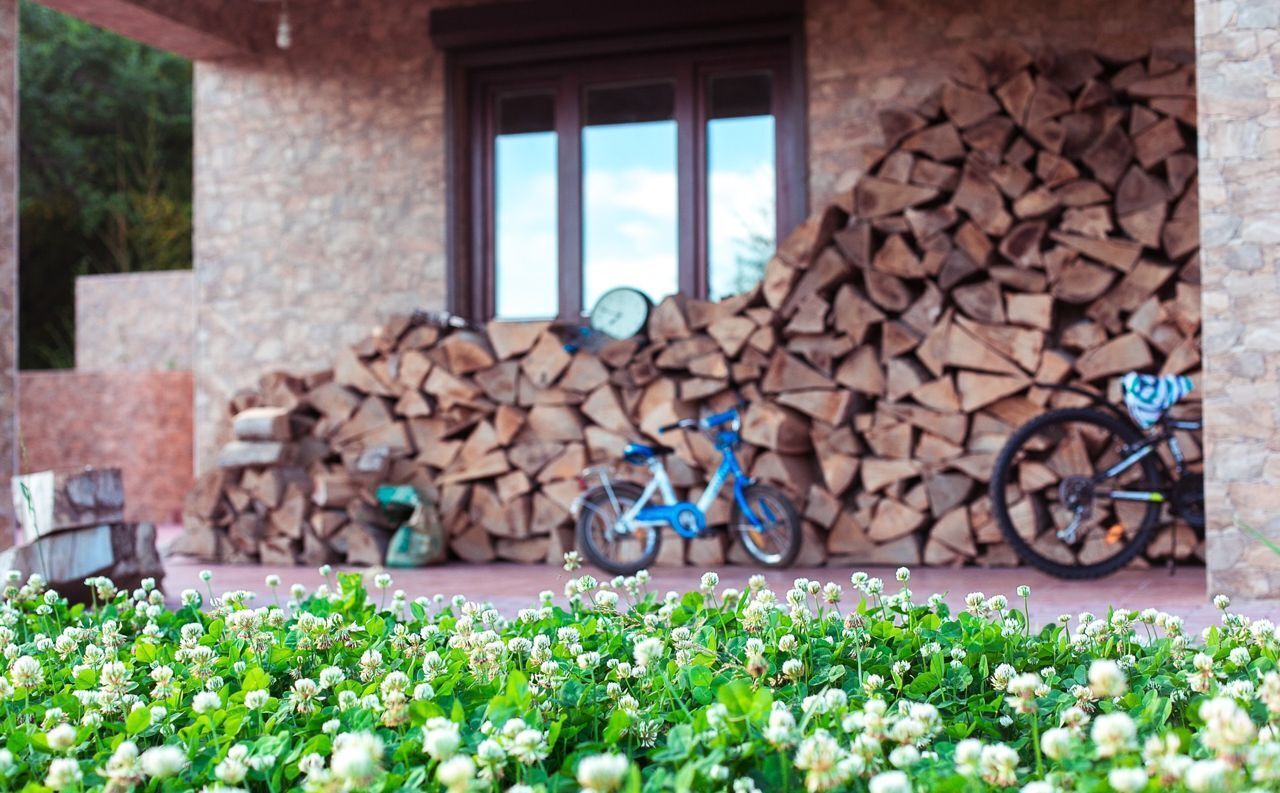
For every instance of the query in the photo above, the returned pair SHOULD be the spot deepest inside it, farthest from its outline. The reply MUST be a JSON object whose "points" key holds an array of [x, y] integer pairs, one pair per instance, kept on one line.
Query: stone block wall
{"points": [[1238, 45], [320, 205], [139, 421], [135, 321], [8, 254]]}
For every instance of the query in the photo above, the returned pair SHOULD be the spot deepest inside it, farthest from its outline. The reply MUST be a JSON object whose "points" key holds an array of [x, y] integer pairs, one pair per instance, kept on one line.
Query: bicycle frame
{"points": [[1148, 446], [688, 519]]}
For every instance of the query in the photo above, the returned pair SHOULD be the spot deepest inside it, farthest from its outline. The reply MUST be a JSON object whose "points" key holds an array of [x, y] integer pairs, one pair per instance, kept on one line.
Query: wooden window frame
{"points": [[479, 67]]}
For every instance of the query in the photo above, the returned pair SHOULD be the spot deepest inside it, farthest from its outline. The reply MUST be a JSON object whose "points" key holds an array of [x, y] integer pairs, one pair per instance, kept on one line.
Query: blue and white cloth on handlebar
{"points": [[1148, 396]]}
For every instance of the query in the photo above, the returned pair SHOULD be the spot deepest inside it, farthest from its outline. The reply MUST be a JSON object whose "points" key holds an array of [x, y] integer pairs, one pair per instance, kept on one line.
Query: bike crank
{"points": [[1076, 494]]}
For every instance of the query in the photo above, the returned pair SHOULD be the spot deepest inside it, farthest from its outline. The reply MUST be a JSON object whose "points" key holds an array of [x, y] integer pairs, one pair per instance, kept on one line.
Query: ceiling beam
{"points": [[195, 30]]}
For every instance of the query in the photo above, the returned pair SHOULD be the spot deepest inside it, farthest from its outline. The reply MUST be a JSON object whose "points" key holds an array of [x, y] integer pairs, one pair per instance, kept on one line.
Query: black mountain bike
{"points": [[1078, 492]]}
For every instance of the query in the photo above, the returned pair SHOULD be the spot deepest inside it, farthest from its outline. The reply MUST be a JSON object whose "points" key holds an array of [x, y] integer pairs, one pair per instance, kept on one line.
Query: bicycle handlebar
{"points": [[708, 423], [682, 423]]}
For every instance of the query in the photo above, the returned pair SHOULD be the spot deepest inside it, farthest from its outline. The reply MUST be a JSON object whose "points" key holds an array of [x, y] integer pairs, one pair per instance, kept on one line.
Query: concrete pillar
{"points": [[8, 260], [1238, 56]]}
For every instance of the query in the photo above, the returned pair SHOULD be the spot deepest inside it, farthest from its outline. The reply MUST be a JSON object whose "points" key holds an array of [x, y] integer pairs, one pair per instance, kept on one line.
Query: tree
{"points": [[104, 169]]}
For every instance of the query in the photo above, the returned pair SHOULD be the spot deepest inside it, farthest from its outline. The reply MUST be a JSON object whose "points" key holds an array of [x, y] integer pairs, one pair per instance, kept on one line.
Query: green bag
{"points": [[420, 539]]}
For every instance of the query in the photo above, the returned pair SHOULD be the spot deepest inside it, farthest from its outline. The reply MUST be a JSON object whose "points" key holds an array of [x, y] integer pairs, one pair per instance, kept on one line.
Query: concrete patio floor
{"points": [[513, 586]]}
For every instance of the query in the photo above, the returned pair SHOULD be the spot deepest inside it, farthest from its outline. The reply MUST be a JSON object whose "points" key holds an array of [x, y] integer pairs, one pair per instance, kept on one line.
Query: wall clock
{"points": [[621, 313]]}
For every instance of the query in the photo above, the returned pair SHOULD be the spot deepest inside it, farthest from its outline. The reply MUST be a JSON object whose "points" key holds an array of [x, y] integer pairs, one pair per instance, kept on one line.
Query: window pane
{"points": [[629, 191], [524, 175], [741, 183]]}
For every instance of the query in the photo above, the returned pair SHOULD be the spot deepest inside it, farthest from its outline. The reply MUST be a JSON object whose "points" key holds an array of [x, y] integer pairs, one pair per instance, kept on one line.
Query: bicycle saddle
{"points": [[1148, 396], [639, 453]]}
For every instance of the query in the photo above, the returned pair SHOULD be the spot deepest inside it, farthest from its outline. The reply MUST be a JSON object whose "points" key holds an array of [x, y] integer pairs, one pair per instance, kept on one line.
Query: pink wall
{"points": [[139, 421]]}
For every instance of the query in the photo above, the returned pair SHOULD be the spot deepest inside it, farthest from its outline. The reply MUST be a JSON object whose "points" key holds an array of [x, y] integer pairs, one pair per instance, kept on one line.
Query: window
{"points": [[670, 164]]}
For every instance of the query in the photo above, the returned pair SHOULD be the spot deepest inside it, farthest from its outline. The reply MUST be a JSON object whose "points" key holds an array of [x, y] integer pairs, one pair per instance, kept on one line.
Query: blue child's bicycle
{"points": [[620, 523]]}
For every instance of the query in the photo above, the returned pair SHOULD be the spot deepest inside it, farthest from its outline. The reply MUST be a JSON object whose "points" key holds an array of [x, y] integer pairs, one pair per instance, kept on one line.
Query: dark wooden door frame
{"points": [[472, 73]]}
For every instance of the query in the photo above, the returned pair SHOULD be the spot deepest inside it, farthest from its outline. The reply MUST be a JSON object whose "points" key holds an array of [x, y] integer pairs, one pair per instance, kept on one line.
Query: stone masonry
{"points": [[135, 321], [320, 201], [1238, 44], [8, 253]]}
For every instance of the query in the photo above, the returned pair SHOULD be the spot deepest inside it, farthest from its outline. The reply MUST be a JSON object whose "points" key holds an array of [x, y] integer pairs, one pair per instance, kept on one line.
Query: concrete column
{"points": [[1238, 56], [8, 260]]}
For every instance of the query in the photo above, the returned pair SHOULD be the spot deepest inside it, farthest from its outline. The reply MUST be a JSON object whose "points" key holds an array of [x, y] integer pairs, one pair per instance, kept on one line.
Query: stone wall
{"points": [[8, 253], [135, 321], [1239, 105], [320, 205], [139, 421], [864, 55]]}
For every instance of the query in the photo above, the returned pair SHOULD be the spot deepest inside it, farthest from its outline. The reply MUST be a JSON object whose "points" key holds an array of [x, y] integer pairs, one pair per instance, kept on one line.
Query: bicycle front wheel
{"points": [[1055, 488], [771, 533], [605, 542]]}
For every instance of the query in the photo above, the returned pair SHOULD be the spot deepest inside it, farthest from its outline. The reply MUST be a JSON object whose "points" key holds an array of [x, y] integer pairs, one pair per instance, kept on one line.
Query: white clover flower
{"points": [[602, 773], [331, 676], [256, 699], [61, 737], [1056, 743], [441, 739], [456, 773], [206, 702], [63, 773], [1227, 726], [904, 756], [1113, 734], [1127, 780], [890, 781], [206, 576], [822, 760], [903, 575], [382, 581], [647, 649], [26, 672], [272, 582], [1106, 679], [781, 730], [606, 600], [968, 756], [1221, 602], [998, 764], [1207, 776], [1024, 591], [233, 769], [709, 582], [357, 757], [162, 762], [793, 668]]}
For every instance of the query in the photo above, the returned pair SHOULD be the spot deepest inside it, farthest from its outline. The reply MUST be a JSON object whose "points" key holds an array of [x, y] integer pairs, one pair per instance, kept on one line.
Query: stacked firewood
{"points": [[1035, 222]]}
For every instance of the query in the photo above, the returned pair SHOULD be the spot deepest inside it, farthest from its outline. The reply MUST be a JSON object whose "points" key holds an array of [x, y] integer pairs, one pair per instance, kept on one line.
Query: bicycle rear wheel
{"points": [[607, 545], [1051, 496]]}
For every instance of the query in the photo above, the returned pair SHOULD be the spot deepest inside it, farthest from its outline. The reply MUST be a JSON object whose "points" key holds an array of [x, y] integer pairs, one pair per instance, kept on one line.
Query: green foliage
{"points": [[104, 172], [340, 689]]}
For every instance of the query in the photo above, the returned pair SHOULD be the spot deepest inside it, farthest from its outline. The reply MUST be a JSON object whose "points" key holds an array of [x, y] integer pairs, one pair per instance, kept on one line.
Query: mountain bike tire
{"points": [[1151, 480]]}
